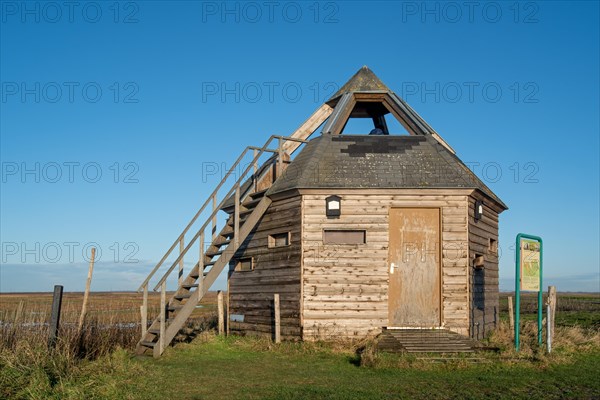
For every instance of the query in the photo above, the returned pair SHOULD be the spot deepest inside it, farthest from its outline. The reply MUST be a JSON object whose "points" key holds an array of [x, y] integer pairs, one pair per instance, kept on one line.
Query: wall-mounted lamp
{"points": [[478, 210], [333, 206]]}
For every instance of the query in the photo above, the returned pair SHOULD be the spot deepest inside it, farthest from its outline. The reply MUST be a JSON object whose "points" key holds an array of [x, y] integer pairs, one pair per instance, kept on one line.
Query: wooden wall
{"points": [[483, 281], [276, 270], [345, 286]]}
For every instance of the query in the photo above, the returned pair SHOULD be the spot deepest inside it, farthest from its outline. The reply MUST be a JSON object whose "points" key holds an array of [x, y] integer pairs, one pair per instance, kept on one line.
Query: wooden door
{"points": [[414, 268]]}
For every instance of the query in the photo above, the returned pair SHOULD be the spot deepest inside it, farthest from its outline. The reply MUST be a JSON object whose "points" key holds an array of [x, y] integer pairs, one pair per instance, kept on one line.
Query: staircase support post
{"points": [[163, 318], [181, 248], [254, 178], [144, 312], [236, 220], [220, 312], [201, 263], [214, 220]]}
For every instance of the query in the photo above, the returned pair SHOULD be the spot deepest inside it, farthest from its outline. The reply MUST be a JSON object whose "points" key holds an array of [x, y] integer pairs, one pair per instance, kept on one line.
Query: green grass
{"points": [[214, 367], [245, 368]]}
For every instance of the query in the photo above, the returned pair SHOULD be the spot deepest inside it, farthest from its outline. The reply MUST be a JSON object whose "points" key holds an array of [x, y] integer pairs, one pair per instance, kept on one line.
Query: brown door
{"points": [[414, 267]]}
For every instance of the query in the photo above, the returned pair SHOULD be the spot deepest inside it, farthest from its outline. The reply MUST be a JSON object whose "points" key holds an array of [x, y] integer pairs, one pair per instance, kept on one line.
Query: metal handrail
{"points": [[236, 185]]}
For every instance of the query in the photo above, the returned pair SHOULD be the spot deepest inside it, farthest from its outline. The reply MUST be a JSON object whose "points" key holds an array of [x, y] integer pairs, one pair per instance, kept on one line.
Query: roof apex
{"points": [[364, 80]]}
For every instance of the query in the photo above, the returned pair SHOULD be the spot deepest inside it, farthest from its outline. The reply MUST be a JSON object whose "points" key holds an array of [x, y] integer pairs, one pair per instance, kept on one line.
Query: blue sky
{"points": [[116, 108]]}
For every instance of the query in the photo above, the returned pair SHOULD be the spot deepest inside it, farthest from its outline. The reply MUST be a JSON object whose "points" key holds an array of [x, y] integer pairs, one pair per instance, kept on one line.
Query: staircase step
{"points": [[221, 241], [154, 331], [213, 253], [149, 344], [174, 308], [258, 194], [189, 286], [183, 296], [424, 341], [250, 204]]}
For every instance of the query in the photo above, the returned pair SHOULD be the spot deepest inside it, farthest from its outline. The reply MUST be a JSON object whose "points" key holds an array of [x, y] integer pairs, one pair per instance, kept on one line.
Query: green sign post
{"points": [[528, 277]]}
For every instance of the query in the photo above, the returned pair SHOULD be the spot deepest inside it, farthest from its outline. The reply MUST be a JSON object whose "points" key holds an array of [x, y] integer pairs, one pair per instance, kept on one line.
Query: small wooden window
{"points": [[331, 236], [279, 239], [245, 264], [493, 246]]}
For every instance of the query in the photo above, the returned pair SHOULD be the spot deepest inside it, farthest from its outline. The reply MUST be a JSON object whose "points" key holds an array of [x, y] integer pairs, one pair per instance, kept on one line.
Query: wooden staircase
{"points": [[424, 341], [245, 203]]}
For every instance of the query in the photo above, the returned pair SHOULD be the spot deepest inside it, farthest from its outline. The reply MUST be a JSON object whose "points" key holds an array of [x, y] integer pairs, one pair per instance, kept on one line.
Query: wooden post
{"points": [[144, 311], [163, 318], [236, 219], [511, 313], [279, 158], [87, 290], [550, 314], [220, 311], [201, 263], [181, 247], [214, 220], [255, 170], [55, 316], [277, 318], [18, 312]]}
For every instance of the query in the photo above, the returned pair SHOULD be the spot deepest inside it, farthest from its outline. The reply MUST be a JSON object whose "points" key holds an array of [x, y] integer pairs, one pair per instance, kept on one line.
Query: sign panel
{"points": [[530, 265]]}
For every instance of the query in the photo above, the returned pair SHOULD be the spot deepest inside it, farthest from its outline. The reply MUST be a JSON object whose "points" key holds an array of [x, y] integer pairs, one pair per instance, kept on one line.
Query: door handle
{"points": [[392, 266]]}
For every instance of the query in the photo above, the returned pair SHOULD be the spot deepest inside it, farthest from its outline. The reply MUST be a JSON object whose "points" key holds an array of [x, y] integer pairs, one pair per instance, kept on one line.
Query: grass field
{"points": [[251, 368]]}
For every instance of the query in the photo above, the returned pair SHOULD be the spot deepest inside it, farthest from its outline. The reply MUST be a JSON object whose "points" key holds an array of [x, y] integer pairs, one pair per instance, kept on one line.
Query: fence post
{"points": [[87, 290], [550, 314], [220, 311], [277, 318], [511, 313], [55, 316]]}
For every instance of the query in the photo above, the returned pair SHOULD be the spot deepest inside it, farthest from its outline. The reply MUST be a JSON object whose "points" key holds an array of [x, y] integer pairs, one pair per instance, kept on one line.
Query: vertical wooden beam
{"points": [[144, 311], [227, 318], [201, 263], [279, 158], [220, 311], [55, 316], [87, 290], [511, 313], [214, 219], [277, 318], [236, 219], [180, 273], [255, 178], [163, 319]]}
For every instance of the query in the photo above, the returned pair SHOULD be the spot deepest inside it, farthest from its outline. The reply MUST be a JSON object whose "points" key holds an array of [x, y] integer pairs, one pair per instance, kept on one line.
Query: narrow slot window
{"points": [[332, 236]]}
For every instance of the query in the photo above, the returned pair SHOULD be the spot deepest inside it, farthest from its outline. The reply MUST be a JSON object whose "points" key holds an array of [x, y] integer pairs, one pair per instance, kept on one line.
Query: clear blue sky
{"points": [[155, 89]]}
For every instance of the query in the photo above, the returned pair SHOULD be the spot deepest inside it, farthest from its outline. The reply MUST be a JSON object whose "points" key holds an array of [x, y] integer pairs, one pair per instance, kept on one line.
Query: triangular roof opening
{"points": [[365, 96]]}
